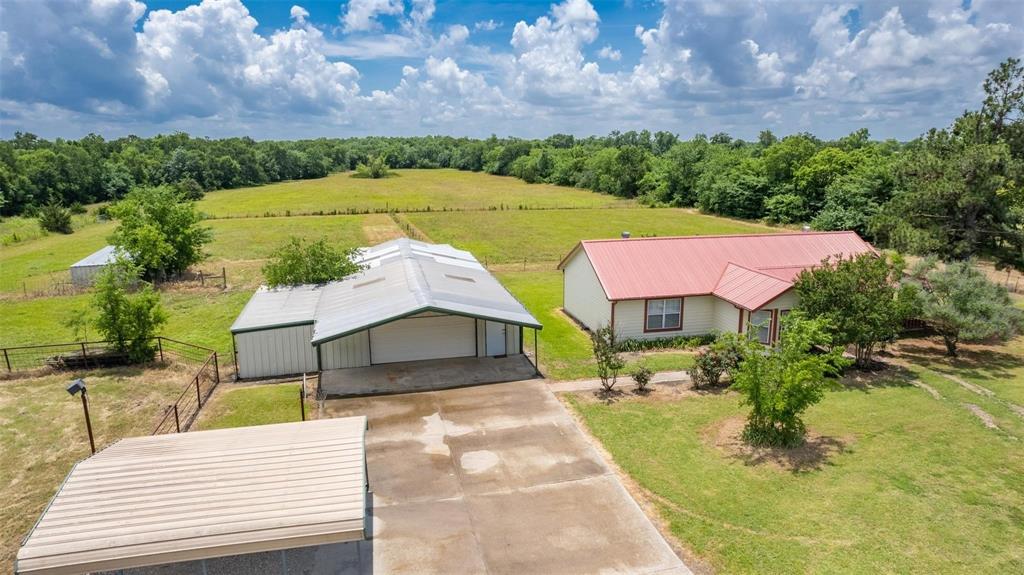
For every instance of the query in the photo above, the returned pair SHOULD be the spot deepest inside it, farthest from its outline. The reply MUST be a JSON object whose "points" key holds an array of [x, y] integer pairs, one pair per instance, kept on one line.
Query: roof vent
{"points": [[460, 278], [625, 235], [369, 282]]}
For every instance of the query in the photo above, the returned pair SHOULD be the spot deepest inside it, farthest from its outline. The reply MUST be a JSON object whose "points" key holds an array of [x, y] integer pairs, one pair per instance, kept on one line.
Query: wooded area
{"points": [[954, 192]]}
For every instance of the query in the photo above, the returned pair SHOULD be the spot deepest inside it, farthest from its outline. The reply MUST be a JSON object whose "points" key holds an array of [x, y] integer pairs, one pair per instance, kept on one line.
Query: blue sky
{"points": [[270, 69]]}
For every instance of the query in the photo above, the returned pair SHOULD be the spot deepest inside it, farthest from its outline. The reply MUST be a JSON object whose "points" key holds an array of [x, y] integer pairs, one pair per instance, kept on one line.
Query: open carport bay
{"points": [[493, 479]]}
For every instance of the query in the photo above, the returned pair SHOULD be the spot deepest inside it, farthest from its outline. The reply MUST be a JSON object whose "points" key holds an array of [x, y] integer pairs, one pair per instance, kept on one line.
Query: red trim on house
{"points": [[773, 333], [682, 305], [739, 326], [613, 315]]}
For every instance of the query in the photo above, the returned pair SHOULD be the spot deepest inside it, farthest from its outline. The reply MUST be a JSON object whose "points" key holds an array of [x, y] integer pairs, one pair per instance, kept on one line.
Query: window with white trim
{"points": [[664, 314], [761, 321]]}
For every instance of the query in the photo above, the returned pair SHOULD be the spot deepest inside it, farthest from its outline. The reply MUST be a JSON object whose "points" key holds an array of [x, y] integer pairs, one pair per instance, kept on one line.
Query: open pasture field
{"points": [[897, 478], [42, 433], [406, 190], [546, 236]]}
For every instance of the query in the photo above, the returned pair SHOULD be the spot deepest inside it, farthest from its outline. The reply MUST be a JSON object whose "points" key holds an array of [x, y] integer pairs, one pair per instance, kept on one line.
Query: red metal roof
{"points": [[748, 288], [643, 268]]}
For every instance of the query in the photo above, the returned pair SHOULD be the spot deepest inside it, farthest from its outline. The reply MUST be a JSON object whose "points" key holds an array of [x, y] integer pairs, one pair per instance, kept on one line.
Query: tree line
{"points": [[954, 192]]}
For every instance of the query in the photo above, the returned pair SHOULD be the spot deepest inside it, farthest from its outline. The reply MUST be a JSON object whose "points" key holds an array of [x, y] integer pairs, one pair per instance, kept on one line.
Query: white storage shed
{"points": [[414, 301], [83, 272]]}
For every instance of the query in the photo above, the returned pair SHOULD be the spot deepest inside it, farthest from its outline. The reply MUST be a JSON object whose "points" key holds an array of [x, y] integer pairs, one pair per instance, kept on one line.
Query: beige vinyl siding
{"points": [[698, 319], [727, 317], [275, 352], [787, 300], [584, 297], [349, 351]]}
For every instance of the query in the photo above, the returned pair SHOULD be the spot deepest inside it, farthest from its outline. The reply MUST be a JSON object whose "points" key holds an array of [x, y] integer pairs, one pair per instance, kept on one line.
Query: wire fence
{"points": [[59, 283], [93, 354], [180, 415]]}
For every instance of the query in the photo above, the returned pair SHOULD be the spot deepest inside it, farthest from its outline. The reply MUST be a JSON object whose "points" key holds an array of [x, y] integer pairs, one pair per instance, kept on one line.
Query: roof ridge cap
{"points": [[720, 236]]}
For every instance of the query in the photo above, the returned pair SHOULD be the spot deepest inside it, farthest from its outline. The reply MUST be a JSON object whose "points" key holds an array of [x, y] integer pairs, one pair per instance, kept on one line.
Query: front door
{"points": [[495, 338]]}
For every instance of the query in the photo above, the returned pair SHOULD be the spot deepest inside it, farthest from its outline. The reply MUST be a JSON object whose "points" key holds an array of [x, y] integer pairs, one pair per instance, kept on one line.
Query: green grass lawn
{"points": [[237, 406], [564, 348], [408, 190], [42, 433], [18, 229], [920, 486], [31, 260], [546, 236], [202, 317], [256, 238]]}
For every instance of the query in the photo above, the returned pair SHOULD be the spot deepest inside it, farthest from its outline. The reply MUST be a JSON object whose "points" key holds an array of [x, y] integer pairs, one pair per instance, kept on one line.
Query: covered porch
{"points": [[425, 375]]}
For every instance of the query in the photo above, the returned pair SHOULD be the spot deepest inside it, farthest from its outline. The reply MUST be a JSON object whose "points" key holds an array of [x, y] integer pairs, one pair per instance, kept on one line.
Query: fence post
{"points": [[85, 356], [177, 422], [199, 396], [160, 345], [224, 274], [7, 360], [216, 369], [202, 281]]}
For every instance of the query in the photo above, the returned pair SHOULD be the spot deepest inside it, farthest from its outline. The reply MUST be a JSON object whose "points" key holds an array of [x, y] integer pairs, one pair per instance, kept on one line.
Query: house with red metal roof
{"points": [[648, 288]]}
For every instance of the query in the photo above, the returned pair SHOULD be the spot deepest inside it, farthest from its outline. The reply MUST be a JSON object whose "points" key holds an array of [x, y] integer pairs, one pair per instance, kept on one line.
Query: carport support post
{"points": [[319, 368], [536, 353]]}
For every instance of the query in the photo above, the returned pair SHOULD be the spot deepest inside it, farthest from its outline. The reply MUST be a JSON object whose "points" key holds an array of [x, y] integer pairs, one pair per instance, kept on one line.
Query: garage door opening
{"points": [[423, 337]]}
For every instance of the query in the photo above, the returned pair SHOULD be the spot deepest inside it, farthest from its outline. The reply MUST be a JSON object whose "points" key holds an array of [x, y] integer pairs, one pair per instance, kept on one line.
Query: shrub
{"points": [[717, 360], [55, 218], [128, 320], [780, 382], [605, 353], [677, 342], [642, 377]]}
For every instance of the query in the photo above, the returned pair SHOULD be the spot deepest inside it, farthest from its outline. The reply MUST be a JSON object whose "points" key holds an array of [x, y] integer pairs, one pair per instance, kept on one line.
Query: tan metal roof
{"points": [[169, 498]]}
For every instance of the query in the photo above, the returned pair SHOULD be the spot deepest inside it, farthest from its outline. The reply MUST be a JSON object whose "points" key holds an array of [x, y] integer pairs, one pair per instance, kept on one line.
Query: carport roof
{"points": [[186, 496], [402, 277]]}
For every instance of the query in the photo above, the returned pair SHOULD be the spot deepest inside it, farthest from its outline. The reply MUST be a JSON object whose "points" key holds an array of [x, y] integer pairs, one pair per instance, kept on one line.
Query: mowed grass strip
{"points": [[239, 406], [543, 236], [407, 190], [921, 486], [42, 433]]}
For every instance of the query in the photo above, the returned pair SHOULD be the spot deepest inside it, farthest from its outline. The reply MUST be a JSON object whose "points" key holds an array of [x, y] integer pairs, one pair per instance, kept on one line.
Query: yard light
{"points": [[76, 387]]}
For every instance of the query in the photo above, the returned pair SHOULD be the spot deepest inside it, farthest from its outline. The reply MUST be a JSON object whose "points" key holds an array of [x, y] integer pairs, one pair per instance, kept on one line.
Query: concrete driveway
{"points": [[492, 479]]}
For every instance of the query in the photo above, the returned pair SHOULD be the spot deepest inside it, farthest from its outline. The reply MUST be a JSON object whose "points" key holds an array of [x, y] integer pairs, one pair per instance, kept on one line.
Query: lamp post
{"points": [[76, 387]]}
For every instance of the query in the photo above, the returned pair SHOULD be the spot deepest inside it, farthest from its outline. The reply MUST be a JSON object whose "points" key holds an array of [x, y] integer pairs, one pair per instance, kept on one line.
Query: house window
{"points": [[761, 323], [664, 314], [782, 315]]}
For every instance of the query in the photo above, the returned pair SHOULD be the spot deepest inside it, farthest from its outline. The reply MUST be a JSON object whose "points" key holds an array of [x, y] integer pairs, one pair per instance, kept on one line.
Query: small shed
{"points": [[191, 497], [414, 301], [83, 272]]}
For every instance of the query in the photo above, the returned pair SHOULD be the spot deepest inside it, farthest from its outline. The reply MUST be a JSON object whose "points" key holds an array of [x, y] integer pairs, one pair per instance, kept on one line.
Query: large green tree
{"points": [[298, 261], [861, 298], [159, 230], [959, 302]]}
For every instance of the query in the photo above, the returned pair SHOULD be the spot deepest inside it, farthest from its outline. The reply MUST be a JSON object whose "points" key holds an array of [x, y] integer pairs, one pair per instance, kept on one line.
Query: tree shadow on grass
{"points": [[975, 361], [815, 453]]}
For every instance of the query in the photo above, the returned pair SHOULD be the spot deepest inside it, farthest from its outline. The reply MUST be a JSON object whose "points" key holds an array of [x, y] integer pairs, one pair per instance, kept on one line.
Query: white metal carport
{"points": [[413, 301], [190, 496]]}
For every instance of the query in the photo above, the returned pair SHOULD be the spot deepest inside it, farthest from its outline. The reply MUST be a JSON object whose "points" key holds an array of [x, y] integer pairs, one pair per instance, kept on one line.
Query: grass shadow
{"points": [[865, 381]]}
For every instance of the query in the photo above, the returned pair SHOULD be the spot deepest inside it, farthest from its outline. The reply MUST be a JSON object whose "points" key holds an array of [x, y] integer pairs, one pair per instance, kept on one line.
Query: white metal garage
{"points": [[413, 301]]}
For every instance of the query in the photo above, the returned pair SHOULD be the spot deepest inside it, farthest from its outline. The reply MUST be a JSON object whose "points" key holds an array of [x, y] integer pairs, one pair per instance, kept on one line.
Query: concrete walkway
{"points": [[663, 378]]}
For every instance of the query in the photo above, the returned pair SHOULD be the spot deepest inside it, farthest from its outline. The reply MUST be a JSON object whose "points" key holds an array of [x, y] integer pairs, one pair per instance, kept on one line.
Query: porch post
{"points": [[536, 353], [319, 368]]}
